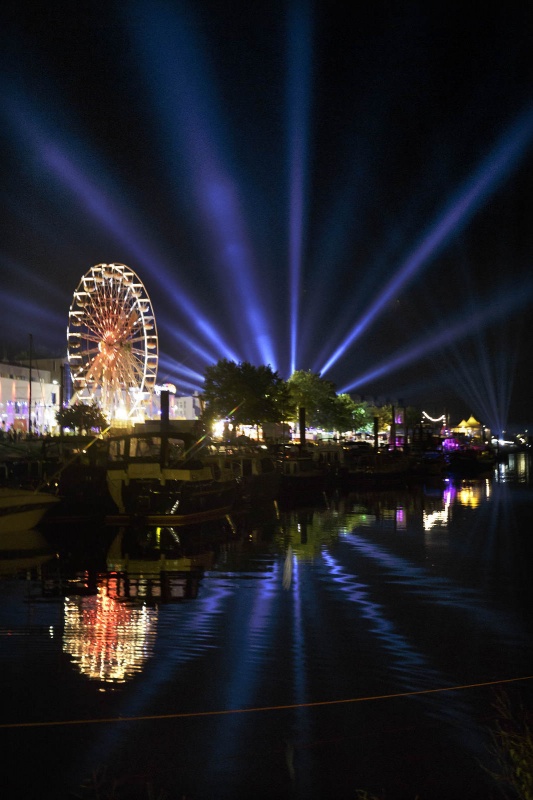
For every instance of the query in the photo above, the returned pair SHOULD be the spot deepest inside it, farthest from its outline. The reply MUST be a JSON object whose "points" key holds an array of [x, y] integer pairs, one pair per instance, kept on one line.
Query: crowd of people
{"points": [[12, 434]]}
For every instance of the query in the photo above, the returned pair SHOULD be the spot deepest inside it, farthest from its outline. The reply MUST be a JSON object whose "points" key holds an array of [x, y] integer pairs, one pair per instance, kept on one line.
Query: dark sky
{"points": [[342, 187]]}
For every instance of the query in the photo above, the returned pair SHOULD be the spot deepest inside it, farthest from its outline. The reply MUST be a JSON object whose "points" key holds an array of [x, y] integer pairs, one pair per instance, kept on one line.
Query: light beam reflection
{"points": [[245, 668], [403, 658], [437, 590]]}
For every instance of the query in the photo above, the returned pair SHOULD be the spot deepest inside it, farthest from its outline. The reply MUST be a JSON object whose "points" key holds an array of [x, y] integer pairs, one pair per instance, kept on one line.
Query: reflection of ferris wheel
{"points": [[112, 340]]}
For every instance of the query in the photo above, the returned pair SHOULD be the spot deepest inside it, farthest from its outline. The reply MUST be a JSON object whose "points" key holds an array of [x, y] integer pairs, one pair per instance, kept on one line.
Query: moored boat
{"points": [[21, 509], [256, 471], [427, 464], [301, 473], [164, 475], [470, 461], [331, 458], [379, 467]]}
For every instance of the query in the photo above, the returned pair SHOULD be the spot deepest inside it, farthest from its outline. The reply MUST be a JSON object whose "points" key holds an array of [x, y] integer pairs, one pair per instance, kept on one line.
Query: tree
{"points": [[82, 417], [347, 415], [317, 395], [384, 415], [244, 394]]}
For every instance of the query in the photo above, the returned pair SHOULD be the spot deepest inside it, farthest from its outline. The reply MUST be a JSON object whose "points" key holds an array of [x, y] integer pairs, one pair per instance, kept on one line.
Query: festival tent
{"points": [[470, 426]]}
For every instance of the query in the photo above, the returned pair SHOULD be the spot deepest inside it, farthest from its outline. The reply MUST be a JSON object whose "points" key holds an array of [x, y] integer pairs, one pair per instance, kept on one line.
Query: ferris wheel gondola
{"points": [[112, 340]]}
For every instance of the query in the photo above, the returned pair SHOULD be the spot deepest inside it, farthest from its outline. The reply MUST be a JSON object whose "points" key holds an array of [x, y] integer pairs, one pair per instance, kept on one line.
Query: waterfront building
{"points": [[16, 393], [51, 387]]}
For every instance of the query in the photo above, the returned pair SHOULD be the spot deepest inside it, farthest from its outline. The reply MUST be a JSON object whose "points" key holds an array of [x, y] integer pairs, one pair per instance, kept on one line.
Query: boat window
{"points": [[176, 451], [145, 448], [116, 449]]}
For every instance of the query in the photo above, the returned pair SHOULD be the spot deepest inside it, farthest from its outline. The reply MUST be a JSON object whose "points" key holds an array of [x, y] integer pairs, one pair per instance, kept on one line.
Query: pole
{"points": [[165, 424], [61, 394], [302, 427], [29, 404]]}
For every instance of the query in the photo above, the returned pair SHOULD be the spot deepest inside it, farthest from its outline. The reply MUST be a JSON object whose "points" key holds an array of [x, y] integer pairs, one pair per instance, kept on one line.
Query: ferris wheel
{"points": [[112, 340]]}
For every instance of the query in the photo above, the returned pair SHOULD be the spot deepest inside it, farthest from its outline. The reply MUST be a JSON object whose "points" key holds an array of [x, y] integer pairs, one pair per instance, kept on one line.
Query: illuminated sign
{"points": [[165, 387]]}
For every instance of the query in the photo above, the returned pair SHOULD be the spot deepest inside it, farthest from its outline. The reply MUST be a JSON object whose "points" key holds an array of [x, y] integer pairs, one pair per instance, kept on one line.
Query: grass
{"points": [[512, 749]]}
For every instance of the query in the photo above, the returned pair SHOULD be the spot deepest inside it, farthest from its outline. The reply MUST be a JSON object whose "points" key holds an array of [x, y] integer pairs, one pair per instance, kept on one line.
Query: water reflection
{"points": [[23, 551], [515, 468], [437, 516], [111, 614], [365, 595], [110, 631], [151, 565], [472, 492], [107, 640], [306, 531]]}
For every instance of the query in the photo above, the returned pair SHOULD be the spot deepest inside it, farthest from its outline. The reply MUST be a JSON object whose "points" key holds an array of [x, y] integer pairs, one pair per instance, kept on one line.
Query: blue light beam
{"points": [[298, 102], [488, 382], [501, 306], [501, 160], [100, 205], [187, 109]]}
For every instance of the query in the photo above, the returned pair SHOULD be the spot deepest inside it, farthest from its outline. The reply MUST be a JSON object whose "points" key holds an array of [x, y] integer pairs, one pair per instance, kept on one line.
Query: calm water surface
{"points": [[309, 652]]}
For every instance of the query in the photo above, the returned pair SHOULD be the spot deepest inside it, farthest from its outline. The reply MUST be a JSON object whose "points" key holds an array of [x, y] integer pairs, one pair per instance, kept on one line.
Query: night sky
{"points": [[340, 187]]}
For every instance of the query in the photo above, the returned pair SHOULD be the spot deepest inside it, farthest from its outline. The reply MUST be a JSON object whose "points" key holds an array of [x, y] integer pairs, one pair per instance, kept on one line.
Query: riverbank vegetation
{"points": [[244, 394]]}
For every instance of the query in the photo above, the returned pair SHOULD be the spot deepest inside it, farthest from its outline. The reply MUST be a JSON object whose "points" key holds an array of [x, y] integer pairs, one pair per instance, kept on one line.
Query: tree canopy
{"points": [[347, 415], [244, 394], [82, 417], [317, 395]]}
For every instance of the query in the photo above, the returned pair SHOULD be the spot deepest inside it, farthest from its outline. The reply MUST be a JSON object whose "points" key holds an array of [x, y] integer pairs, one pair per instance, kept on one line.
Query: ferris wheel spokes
{"points": [[112, 339]]}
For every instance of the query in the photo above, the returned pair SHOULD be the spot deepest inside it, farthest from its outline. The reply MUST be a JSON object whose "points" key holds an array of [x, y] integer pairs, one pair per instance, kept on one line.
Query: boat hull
{"points": [[301, 477], [156, 476], [21, 510], [377, 469]]}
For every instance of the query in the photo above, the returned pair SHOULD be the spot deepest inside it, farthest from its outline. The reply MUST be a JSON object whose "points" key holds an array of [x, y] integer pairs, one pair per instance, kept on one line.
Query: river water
{"points": [[355, 646]]}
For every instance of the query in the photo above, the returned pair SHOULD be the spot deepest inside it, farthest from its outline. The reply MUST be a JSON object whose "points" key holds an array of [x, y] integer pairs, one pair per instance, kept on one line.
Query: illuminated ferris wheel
{"points": [[112, 340]]}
